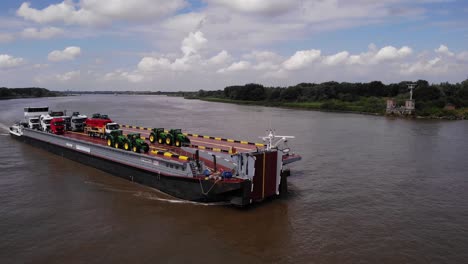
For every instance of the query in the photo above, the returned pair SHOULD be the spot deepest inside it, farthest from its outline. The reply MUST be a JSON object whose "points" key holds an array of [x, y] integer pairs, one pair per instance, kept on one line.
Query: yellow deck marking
{"points": [[222, 145]]}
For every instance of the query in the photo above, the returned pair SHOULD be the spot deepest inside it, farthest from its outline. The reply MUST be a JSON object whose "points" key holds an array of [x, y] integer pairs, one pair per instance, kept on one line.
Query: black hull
{"points": [[192, 189]]}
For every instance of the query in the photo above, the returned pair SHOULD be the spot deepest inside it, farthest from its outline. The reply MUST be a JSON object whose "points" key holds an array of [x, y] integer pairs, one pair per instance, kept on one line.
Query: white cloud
{"points": [[193, 43], [152, 63], [301, 59], [190, 47], [266, 65], [391, 53], [423, 67], [40, 66], [68, 53], [6, 37], [221, 58], [43, 33], [119, 75], [68, 76], [236, 66], [463, 56], [338, 58], [261, 56], [185, 22], [385, 54], [444, 50], [269, 7], [7, 61], [90, 12], [265, 60]]}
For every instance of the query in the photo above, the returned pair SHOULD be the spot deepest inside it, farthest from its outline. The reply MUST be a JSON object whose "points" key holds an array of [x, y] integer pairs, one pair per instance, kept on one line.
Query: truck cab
{"points": [[34, 123], [64, 116], [45, 122], [112, 127], [57, 125], [78, 121]]}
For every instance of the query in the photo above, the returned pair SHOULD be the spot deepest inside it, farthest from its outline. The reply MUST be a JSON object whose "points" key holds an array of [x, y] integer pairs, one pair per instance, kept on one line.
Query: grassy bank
{"points": [[371, 106]]}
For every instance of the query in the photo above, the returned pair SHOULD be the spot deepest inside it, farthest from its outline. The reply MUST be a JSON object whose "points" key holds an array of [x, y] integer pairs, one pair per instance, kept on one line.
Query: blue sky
{"points": [[208, 44]]}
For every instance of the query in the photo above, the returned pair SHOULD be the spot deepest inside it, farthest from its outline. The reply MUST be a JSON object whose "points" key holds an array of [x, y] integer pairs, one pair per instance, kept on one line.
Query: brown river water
{"points": [[368, 190]]}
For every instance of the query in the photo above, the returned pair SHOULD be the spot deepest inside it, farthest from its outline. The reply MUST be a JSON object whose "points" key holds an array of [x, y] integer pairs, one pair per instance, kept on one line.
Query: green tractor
{"points": [[116, 139], [158, 134], [175, 137], [135, 143]]}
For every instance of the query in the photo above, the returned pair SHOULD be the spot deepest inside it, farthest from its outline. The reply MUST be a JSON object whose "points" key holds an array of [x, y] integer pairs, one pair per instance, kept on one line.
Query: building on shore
{"points": [[408, 109]]}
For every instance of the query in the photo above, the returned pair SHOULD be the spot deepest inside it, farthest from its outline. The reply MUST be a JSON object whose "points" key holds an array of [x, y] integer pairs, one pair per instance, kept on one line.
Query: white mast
{"points": [[411, 86]]}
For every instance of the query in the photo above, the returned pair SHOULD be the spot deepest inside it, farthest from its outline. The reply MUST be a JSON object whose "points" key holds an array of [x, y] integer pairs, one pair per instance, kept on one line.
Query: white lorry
{"points": [[78, 121], [32, 116], [34, 123], [45, 122]]}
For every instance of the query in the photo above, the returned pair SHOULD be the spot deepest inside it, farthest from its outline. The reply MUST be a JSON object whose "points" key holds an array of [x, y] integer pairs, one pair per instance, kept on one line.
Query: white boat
{"points": [[17, 129]]}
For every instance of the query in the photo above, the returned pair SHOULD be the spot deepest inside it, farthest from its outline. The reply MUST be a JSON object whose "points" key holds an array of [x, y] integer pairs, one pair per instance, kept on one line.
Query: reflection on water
{"points": [[369, 189]]}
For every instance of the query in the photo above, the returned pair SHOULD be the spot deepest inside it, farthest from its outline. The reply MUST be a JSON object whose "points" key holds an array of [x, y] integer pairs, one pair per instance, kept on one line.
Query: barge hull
{"points": [[193, 189]]}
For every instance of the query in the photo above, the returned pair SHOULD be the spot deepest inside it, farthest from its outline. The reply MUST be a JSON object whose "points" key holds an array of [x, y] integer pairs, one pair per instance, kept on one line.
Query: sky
{"points": [[183, 45]]}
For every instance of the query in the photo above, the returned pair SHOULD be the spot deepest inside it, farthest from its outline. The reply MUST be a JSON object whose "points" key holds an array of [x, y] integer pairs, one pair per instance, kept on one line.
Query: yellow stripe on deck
{"points": [[222, 145]]}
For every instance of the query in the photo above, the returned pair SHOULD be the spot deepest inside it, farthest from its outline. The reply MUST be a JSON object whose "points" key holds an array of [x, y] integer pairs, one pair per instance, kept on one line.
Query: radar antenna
{"points": [[271, 137]]}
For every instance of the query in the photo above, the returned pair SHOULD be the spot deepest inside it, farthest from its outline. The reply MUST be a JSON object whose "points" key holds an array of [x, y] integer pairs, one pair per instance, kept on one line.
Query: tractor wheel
{"points": [[169, 141], [160, 141], [109, 142], [152, 138], [116, 145], [135, 149], [145, 148], [126, 146], [177, 143]]}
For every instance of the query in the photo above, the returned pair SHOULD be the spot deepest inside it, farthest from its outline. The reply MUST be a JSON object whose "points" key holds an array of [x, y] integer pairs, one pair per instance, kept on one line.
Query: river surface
{"points": [[368, 190]]}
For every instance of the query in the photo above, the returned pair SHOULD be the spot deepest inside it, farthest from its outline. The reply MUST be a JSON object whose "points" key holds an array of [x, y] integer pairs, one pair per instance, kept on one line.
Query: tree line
{"points": [[10, 93], [335, 95]]}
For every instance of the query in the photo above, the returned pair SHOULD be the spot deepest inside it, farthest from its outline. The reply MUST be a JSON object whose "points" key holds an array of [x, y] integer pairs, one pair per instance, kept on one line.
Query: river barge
{"points": [[209, 169]]}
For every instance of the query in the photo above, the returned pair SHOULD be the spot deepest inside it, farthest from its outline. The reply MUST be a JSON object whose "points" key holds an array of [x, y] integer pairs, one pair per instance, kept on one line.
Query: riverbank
{"points": [[358, 107], [30, 92]]}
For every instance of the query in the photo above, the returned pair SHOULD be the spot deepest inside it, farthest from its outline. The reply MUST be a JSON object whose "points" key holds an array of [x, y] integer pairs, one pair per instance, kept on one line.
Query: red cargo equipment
{"points": [[97, 122]]}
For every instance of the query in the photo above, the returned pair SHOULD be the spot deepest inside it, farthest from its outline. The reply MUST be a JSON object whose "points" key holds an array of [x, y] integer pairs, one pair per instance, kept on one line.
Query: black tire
{"points": [[177, 143], [127, 146], [109, 142], [116, 145], [152, 138], [145, 148], [169, 141], [136, 149]]}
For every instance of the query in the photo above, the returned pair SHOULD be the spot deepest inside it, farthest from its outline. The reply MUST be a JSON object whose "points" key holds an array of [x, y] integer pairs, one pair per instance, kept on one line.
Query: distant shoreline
{"points": [[315, 106]]}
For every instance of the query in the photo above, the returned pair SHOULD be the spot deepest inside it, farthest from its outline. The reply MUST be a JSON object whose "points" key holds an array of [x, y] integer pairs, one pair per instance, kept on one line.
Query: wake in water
{"points": [[4, 128], [152, 196], [174, 200], [108, 188]]}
